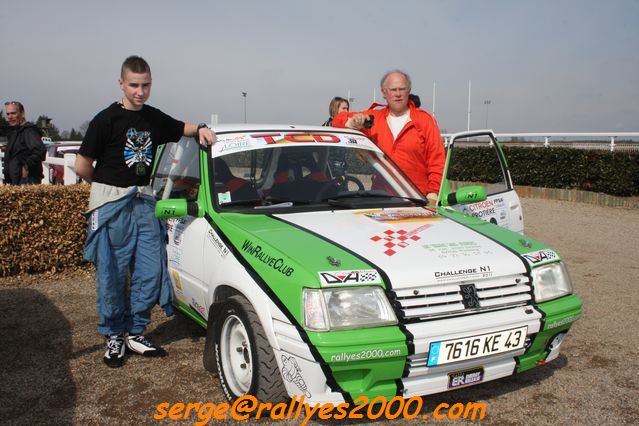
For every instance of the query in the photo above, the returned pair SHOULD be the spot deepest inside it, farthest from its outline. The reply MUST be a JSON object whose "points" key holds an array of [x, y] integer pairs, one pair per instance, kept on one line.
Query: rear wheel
{"points": [[244, 358]]}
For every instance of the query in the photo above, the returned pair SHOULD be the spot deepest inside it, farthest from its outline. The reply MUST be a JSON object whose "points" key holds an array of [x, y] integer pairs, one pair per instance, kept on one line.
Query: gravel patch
{"points": [[51, 366]]}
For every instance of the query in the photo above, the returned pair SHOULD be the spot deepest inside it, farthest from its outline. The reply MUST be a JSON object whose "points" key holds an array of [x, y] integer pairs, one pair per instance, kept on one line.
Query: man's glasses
{"points": [[397, 89], [16, 103]]}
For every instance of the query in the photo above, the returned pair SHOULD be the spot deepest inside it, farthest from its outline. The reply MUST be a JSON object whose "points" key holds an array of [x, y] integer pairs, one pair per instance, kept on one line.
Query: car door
{"points": [[177, 175], [477, 158]]}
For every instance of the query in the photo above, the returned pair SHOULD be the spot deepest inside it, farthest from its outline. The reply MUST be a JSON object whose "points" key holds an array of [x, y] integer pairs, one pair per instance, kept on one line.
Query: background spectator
{"points": [[336, 106], [25, 152]]}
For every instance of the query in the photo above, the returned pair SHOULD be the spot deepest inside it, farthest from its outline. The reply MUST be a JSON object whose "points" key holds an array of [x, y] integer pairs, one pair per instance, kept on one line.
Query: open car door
{"points": [[476, 158], [177, 176]]}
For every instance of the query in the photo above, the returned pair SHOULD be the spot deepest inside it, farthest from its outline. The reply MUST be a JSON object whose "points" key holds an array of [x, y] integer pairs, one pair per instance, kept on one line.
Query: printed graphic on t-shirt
{"points": [[138, 148]]}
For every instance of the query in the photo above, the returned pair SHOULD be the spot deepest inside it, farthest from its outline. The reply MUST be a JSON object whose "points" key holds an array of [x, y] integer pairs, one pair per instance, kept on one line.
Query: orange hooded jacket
{"points": [[418, 149]]}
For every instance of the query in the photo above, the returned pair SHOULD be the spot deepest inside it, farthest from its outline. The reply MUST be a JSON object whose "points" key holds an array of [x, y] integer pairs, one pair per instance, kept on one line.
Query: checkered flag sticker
{"points": [[395, 240], [368, 276]]}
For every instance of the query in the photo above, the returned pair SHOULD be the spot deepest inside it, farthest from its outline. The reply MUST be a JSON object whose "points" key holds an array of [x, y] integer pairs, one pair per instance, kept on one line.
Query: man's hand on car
{"points": [[207, 136], [357, 121]]}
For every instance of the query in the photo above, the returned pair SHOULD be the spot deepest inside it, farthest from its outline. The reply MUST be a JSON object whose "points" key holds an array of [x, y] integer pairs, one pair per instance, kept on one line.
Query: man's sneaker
{"points": [[143, 346], [114, 355]]}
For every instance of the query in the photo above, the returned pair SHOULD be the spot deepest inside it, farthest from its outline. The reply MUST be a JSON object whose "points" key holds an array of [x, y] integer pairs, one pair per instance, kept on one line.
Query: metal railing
{"points": [[548, 139], [523, 140]]}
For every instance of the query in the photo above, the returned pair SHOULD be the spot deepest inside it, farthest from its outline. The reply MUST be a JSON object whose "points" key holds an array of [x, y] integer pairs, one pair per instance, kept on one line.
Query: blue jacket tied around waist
{"points": [[98, 244]]}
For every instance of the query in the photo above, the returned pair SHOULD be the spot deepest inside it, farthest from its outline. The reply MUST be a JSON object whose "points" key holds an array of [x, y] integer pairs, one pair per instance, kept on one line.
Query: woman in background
{"points": [[336, 106]]}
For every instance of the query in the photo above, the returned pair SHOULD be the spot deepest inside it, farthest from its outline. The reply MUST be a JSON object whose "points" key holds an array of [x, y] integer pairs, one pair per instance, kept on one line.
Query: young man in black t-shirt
{"points": [[124, 237]]}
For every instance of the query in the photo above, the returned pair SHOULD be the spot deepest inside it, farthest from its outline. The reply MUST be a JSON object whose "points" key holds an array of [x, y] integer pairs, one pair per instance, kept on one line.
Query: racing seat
{"points": [[225, 181], [289, 182], [285, 174], [316, 176]]}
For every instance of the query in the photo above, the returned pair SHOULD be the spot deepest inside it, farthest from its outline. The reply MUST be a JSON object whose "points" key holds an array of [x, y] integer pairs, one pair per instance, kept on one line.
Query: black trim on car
{"points": [[330, 379], [390, 294]]}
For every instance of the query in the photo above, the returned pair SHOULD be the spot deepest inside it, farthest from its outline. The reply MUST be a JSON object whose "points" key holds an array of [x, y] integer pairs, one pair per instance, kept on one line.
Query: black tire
{"points": [[245, 361]]}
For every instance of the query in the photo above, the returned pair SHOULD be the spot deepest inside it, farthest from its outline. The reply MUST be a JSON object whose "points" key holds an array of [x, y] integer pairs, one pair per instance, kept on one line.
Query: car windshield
{"points": [[309, 176]]}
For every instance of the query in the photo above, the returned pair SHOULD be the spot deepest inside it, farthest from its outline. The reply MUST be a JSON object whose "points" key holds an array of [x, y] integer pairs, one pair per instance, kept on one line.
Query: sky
{"points": [[544, 65]]}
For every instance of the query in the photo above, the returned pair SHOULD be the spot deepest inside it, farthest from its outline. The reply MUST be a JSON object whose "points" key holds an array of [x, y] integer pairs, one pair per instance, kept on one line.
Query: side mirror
{"points": [[467, 195], [177, 207]]}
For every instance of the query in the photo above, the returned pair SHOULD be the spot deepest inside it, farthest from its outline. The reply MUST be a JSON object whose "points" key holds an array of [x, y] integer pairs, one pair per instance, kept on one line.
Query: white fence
{"points": [[68, 167], [608, 141], [67, 163]]}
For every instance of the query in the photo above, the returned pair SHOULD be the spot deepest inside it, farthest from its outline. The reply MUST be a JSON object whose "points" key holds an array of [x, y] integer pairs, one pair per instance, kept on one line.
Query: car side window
{"points": [[477, 161], [178, 171]]}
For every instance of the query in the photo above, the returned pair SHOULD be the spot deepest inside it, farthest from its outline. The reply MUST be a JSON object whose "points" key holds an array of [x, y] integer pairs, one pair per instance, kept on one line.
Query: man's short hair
{"points": [[406, 76], [136, 65], [16, 103]]}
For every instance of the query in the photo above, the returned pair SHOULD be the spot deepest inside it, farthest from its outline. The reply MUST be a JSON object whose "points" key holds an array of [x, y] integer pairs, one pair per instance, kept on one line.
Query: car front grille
{"points": [[437, 301]]}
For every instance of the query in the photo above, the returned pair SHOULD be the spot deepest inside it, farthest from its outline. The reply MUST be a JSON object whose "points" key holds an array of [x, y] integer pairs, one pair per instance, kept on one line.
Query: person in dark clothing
{"points": [[415, 99], [25, 151]]}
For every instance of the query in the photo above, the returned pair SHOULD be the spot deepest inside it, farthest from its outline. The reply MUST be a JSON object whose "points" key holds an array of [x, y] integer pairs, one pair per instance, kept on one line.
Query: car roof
{"points": [[244, 127], [242, 137]]}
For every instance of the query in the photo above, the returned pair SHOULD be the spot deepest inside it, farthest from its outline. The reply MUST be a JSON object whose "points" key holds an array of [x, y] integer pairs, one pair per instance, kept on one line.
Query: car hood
{"points": [[408, 246]]}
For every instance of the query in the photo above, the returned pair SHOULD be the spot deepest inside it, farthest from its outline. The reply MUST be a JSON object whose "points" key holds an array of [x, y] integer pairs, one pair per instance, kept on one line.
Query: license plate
{"points": [[454, 350]]}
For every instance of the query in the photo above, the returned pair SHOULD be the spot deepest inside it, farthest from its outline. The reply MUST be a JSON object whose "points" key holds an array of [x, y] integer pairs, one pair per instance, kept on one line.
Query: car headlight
{"points": [[551, 281], [347, 308]]}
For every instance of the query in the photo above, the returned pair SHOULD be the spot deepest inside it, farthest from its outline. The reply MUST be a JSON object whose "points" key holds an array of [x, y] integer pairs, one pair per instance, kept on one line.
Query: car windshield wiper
{"points": [[281, 202], [276, 206], [375, 193], [248, 202]]}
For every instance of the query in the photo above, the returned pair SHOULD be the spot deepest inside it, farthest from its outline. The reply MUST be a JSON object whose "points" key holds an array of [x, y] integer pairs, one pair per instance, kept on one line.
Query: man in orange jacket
{"points": [[407, 134]]}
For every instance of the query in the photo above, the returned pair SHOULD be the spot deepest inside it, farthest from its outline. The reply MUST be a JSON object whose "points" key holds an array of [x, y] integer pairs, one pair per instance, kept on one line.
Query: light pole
{"points": [[468, 122], [244, 95], [487, 102], [351, 100], [433, 98]]}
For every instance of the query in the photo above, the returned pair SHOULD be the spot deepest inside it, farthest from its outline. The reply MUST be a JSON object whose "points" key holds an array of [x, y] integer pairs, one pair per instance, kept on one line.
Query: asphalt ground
{"points": [[51, 369]]}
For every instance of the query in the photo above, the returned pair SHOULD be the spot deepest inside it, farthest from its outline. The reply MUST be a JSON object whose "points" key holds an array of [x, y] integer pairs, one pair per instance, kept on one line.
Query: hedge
{"points": [[41, 228], [613, 173]]}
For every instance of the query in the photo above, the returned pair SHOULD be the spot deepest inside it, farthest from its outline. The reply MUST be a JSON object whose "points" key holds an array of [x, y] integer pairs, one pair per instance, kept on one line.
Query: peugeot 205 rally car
{"points": [[319, 270]]}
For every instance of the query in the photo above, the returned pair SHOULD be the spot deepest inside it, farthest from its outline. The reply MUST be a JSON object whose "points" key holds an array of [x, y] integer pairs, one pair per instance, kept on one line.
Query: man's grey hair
{"points": [[406, 76]]}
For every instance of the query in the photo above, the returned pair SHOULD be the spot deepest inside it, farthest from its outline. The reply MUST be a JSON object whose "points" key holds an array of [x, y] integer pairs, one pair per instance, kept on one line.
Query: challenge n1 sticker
{"points": [[540, 257], [364, 276], [473, 272], [217, 243]]}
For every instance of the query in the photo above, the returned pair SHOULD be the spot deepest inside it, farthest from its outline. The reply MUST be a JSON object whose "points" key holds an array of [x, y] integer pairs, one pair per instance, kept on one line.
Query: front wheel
{"points": [[245, 361]]}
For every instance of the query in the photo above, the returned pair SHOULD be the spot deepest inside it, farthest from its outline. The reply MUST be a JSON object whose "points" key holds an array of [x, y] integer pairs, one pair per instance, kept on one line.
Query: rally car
{"points": [[318, 268]]}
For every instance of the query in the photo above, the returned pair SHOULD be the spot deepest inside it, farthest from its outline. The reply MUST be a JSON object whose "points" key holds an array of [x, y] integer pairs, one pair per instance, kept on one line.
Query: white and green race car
{"points": [[319, 270]]}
